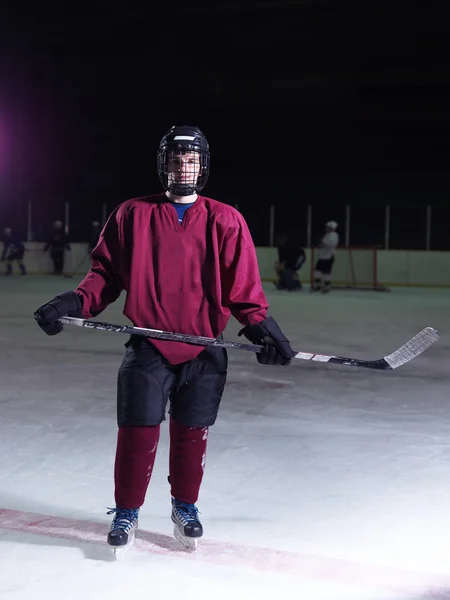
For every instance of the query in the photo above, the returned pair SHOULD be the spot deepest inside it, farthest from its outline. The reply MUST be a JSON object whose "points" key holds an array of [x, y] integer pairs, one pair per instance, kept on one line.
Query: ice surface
{"points": [[322, 482]]}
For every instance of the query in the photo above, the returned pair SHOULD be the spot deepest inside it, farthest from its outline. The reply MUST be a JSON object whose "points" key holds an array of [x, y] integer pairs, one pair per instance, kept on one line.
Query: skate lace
{"points": [[124, 518], [187, 511]]}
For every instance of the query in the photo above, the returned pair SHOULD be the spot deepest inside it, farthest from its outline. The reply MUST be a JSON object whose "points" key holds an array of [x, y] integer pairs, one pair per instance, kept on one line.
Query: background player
{"points": [[325, 259], [13, 250]]}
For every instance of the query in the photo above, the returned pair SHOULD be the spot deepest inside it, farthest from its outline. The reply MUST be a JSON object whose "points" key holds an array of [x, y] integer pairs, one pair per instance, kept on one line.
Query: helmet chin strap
{"points": [[181, 189]]}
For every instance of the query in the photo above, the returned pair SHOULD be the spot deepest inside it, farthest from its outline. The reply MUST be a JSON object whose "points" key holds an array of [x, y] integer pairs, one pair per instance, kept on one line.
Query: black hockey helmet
{"points": [[180, 141]]}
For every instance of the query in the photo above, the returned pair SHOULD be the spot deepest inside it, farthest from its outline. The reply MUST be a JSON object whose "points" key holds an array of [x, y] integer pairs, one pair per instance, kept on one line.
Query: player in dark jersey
{"points": [[13, 250], [291, 257], [57, 243]]}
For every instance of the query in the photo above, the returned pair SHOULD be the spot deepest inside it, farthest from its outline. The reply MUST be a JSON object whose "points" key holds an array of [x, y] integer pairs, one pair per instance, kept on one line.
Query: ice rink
{"points": [[322, 482]]}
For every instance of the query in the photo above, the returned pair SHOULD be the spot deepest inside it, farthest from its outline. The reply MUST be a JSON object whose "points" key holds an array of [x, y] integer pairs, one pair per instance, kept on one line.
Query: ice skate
{"points": [[187, 527], [316, 285], [123, 527]]}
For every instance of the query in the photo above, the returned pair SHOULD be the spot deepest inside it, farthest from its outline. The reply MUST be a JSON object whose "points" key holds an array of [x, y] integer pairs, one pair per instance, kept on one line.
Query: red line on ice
{"points": [[310, 567]]}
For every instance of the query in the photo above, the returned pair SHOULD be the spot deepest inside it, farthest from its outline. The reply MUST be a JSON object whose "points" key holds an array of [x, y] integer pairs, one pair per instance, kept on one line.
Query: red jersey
{"points": [[187, 277]]}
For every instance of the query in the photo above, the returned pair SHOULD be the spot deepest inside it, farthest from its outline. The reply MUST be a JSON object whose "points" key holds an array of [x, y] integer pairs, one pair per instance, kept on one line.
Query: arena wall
{"points": [[394, 267]]}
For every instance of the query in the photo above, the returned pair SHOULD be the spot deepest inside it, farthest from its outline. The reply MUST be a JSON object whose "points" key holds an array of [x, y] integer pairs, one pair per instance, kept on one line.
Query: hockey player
{"points": [[187, 263], [325, 260], [13, 250], [291, 258], [58, 243]]}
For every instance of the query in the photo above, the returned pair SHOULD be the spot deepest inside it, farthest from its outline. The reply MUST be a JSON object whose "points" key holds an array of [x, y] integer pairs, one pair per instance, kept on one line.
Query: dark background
{"points": [[321, 103]]}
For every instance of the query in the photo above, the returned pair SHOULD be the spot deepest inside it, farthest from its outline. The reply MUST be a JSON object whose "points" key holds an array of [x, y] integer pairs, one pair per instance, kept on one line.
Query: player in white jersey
{"points": [[325, 259]]}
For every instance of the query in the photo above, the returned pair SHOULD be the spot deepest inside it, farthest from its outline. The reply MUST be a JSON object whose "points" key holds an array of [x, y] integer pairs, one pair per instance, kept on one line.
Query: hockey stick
{"points": [[418, 344]]}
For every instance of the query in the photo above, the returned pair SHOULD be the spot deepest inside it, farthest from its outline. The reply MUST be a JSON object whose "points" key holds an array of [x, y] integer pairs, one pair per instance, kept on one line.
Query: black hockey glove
{"points": [[67, 303], [277, 350]]}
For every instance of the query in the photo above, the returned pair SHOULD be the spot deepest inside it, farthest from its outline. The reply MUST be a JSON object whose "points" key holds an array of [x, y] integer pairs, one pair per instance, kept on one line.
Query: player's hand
{"points": [[276, 350], [67, 303]]}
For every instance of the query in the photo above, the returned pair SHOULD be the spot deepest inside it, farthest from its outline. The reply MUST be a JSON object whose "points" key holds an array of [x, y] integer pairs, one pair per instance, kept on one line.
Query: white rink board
{"points": [[394, 267]]}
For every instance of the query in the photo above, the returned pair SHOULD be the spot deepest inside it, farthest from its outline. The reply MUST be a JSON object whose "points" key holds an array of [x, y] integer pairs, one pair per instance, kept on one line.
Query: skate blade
{"points": [[120, 551], [188, 543]]}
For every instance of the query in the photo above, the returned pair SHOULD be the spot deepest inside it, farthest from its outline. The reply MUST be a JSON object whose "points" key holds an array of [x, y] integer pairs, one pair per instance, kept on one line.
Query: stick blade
{"points": [[418, 344]]}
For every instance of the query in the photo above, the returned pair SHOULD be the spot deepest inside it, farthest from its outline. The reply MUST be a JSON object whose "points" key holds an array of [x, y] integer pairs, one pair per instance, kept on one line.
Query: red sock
{"points": [[187, 460], [135, 457]]}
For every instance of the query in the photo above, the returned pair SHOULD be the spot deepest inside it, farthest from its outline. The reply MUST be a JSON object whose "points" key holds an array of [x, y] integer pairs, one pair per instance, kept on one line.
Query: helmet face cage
{"points": [[183, 161]]}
